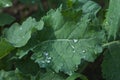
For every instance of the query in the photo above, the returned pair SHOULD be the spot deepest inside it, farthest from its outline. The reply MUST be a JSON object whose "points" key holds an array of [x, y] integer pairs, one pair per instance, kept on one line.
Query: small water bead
{"points": [[75, 40], [43, 62], [45, 53], [33, 2], [73, 51], [7, 5], [83, 51], [49, 58], [47, 61], [72, 46], [20, 28]]}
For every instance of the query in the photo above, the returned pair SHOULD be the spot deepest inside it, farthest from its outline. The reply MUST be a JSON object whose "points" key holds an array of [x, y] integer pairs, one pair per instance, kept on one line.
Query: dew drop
{"points": [[84, 57], [75, 40], [42, 62], [73, 51], [72, 46], [33, 1], [7, 5], [49, 58], [23, 37], [45, 53], [83, 51], [20, 28], [48, 61]]}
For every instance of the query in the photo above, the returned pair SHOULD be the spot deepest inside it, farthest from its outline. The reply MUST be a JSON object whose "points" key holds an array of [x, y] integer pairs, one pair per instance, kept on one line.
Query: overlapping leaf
{"points": [[13, 75], [5, 19], [5, 3], [112, 21], [110, 65], [66, 45], [19, 35], [5, 48]]}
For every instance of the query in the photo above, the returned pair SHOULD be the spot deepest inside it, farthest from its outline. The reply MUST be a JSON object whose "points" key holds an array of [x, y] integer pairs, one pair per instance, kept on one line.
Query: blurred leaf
{"points": [[110, 64], [13, 75], [5, 48], [5, 3], [6, 19]]}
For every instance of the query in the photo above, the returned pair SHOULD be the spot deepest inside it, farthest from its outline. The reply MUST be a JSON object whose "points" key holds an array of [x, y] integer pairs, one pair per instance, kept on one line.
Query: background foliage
{"points": [[59, 40]]}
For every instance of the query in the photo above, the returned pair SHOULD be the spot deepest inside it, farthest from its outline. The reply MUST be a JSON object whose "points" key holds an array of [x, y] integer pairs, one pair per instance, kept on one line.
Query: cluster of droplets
{"points": [[46, 60], [74, 41]]}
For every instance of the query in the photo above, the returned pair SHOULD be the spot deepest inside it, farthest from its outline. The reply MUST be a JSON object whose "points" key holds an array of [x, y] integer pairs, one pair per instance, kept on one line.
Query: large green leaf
{"points": [[18, 35], [5, 3], [67, 44], [112, 21], [5, 47], [111, 65]]}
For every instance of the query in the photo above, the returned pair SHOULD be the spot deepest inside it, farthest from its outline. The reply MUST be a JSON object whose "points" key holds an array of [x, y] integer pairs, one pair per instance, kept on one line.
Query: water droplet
{"points": [[84, 57], [72, 46], [47, 61], [75, 40], [7, 5], [83, 51], [73, 51], [23, 37], [33, 1], [43, 62], [45, 53], [49, 58], [20, 28]]}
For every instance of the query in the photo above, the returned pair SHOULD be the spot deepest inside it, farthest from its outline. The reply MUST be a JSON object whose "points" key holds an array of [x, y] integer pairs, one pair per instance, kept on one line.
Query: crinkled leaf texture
{"points": [[18, 35], [111, 63], [67, 44], [112, 21]]}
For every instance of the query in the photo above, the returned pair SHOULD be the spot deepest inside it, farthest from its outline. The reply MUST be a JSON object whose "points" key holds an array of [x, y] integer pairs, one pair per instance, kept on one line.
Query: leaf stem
{"points": [[110, 43]]}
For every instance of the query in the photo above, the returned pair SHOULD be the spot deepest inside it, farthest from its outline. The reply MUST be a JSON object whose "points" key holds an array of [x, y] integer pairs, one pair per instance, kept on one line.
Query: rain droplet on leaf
{"points": [[75, 40], [20, 28], [48, 61], [83, 51], [45, 53], [49, 58]]}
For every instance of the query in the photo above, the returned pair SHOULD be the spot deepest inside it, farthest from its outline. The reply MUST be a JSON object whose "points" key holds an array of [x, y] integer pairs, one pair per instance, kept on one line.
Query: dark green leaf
{"points": [[5, 48], [112, 21], [110, 65], [6, 19]]}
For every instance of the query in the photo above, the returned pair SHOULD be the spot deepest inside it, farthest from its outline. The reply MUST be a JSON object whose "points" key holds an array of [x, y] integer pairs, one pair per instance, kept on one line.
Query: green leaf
{"points": [[77, 75], [24, 66], [110, 64], [90, 7], [5, 3], [5, 48], [18, 35], [13, 75], [66, 45], [49, 75], [112, 21], [6, 19]]}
